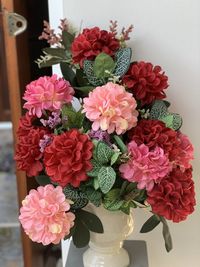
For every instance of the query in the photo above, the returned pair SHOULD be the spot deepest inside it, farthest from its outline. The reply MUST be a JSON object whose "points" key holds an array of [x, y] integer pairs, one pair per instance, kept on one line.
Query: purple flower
{"points": [[44, 142], [52, 121], [100, 135]]}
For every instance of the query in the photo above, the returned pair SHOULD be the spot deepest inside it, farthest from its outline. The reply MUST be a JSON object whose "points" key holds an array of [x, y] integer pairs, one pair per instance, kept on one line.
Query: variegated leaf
{"points": [[88, 70], [123, 60]]}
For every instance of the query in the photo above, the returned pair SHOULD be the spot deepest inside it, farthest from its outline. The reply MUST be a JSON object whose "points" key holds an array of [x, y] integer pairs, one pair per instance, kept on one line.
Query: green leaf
{"points": [[47, 61], [103, 62], [52, 56], [126, 207], [114, 205], [88, 70], [43, 180], [91, 221], [74, 119], [131, 187], [84, 90], [79, 198], [173, 121], [167, 103], [103, 153], [67, 39], [159, 111], [94, 196], [168, 120], [123, 60], [114, 158], [112, 200], [87, 126], [81, 235], [96, 183], [106, 178], [123, 188], [177, 122], [141, 196], [120, 144], [166, 235], [113, 194], [150, 224], [81, 78], [133, 204], [55, 52], [96, 168], [67, 72]]}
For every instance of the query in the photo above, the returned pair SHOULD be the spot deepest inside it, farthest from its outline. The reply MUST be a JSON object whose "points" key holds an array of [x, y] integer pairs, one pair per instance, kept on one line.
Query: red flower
{"points": [[174, 197], [67, 158], [28, 155], [146, 82], [154, 133], [92, 42], [25, 125]]}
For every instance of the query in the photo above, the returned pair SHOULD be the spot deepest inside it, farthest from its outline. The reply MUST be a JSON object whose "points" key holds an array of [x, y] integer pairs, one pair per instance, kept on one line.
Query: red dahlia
{"points": [[25, 125], [154, 133], [174, 197], [28, 155], [146, 82], [67, 158], [92, 42]]}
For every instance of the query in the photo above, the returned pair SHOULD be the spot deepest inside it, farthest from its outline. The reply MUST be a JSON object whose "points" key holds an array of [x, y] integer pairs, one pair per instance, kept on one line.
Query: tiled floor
{"points": [[10, 248], [8, 198], [10, 243]]}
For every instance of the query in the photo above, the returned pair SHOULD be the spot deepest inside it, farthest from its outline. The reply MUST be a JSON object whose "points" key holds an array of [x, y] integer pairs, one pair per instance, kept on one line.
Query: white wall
{"points": [[167, 32]]}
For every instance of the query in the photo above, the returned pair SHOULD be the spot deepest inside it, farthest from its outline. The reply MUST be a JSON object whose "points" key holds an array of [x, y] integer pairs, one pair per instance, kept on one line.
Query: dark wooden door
{"points": [[16, 70]]}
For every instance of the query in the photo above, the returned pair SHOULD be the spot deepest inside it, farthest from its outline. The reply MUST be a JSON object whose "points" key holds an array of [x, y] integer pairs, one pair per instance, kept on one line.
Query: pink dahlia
{"points": [[183, 153], [174, 197], [154, 133], [111, 108], [147, 82], [43, 215], [145, 167], [47, 93]]}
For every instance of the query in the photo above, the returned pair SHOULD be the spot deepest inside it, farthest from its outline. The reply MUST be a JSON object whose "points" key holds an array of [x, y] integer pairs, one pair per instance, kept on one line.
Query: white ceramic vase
{"points": [[105, 250]]}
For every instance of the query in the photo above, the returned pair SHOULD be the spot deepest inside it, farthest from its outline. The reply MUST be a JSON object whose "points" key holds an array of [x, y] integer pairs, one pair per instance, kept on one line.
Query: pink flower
{"points": [[47, 93], [145, 167], [111, 108], [183, 153], [43, 215]]}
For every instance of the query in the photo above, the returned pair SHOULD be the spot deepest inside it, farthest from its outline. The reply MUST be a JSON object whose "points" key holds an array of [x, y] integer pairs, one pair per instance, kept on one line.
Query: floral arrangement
{"points": [[120, 147]]}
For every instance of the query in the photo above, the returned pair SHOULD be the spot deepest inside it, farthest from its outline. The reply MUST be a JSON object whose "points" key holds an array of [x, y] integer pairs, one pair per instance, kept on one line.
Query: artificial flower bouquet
{"points": [[120, 147]]}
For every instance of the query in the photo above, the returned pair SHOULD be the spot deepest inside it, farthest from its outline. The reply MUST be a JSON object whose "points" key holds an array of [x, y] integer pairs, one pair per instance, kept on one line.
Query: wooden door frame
{"points": [[32, 253], [4, 101]]}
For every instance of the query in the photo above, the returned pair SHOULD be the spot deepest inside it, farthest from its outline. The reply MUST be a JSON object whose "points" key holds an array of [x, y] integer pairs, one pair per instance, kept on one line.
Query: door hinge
{"points": [[16, 23]]}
